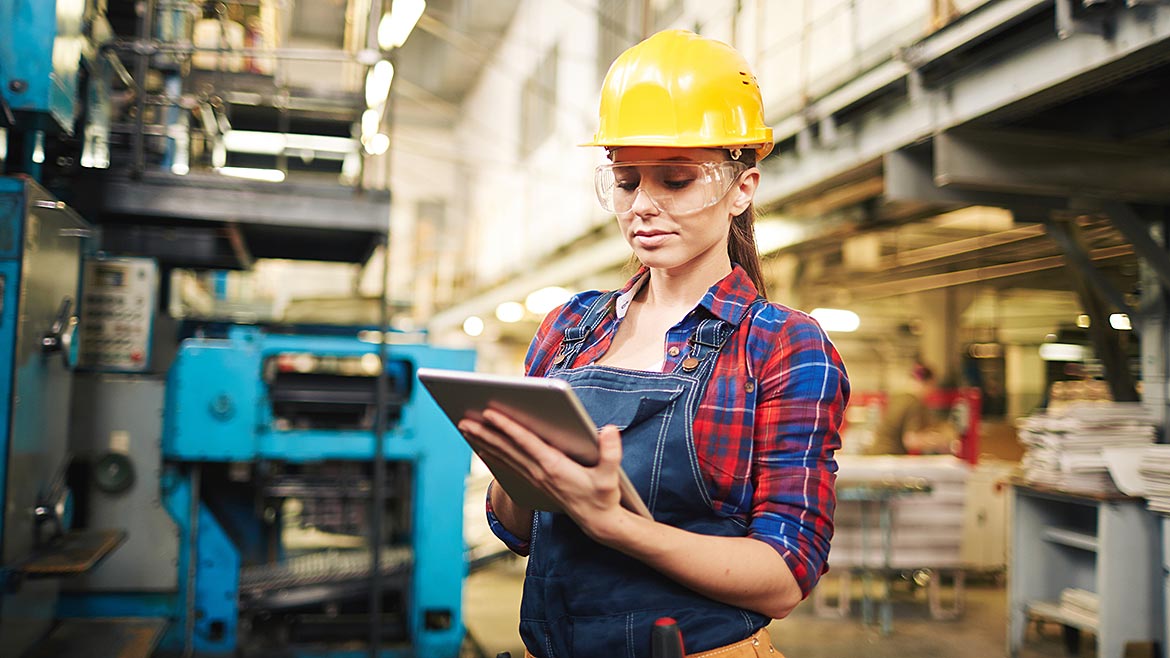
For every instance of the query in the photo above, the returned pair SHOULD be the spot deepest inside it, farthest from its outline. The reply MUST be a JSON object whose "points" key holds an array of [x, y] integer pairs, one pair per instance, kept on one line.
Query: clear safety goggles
{"points": [[676, 188]]}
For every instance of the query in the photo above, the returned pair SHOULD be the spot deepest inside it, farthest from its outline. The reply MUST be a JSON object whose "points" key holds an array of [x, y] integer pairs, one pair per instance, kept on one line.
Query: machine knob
{"points": [[221, 407], [113, 473]]}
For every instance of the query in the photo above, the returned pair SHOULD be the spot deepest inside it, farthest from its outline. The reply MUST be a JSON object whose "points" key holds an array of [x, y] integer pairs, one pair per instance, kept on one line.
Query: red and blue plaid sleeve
{"points": [[803, 393], [514, 543]]}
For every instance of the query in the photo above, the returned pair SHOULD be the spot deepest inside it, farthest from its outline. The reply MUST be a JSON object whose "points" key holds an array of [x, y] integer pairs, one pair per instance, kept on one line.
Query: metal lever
{"points": [[53, 511], [59, 337], [47, 525]]}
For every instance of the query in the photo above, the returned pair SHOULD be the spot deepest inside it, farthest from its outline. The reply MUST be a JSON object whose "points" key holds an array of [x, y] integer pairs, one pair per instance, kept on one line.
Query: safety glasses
{"points": [[674, 187]]}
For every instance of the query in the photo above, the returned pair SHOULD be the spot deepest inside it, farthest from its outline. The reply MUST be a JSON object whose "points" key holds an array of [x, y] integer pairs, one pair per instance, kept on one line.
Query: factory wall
{"points": [[520, 203]]}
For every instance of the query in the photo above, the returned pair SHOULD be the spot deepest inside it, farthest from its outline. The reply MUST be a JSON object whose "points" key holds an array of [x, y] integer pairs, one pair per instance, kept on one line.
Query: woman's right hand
{"points": [[589, 494], [516, 518]]}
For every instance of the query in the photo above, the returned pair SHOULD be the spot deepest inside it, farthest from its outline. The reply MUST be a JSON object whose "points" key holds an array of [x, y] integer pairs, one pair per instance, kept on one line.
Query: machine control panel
{"points": [[117, 314]]}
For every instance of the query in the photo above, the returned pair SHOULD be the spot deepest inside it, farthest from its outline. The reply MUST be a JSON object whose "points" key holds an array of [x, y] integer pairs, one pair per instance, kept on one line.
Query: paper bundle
{"points": [[1064, 447], [1080, 605], [1154, 467]]}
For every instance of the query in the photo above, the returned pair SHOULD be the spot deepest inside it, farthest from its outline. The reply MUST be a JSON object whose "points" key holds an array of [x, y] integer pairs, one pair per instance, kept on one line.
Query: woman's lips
{"points": [[651, 239]]}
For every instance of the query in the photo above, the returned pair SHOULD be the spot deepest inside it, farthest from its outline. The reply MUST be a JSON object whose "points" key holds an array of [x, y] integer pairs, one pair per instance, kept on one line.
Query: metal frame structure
{"points": [[192, 220]]}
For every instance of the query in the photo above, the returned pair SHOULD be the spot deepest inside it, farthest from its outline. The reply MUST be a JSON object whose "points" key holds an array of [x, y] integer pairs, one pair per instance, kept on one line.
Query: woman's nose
{"points": [[644, 204]]}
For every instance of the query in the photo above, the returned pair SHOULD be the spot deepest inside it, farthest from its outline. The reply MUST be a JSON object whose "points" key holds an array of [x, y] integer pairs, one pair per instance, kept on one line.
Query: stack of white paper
{"points": [[1063, 447], [1080, 605], [1154, 467], [926, 527]]}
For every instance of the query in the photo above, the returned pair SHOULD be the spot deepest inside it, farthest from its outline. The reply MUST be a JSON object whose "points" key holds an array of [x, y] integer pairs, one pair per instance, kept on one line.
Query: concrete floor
{"points": [[492, 604]]}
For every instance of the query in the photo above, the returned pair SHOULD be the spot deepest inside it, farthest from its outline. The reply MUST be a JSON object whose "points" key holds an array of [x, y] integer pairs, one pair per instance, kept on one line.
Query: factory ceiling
{"points": [[445, 54]]}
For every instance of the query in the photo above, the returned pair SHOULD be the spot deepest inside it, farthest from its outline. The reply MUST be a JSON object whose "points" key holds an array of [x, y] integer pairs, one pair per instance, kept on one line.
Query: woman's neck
{"points": [[683, 287]]}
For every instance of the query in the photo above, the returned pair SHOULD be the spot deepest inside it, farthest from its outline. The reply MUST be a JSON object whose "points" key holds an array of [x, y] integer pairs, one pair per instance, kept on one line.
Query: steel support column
{"points": [[1137, 231], [1106, 340], [1078, 258]]}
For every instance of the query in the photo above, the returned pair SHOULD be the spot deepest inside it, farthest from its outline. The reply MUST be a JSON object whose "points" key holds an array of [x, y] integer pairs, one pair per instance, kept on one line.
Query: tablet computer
{"points": [[546, 406]]}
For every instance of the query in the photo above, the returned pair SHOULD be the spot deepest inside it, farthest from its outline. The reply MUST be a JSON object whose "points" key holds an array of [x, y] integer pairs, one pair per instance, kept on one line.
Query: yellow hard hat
{"points": [[683, 90]]}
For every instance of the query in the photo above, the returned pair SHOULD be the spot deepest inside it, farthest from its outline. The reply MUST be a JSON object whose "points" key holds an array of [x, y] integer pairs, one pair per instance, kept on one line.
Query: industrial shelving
{"points": [[1106, 545]]}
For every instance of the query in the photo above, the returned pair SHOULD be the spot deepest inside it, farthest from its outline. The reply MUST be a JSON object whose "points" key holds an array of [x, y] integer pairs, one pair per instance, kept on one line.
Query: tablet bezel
{"points": [[546, 406]]}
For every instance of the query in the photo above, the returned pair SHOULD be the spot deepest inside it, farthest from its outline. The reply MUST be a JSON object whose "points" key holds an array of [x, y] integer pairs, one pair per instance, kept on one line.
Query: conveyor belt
{"points": [[317, 577]]}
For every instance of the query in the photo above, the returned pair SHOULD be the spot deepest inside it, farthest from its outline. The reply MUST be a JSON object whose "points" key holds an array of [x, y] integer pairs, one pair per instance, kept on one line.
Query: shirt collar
{"points": [[629, 291], [727, 300]]}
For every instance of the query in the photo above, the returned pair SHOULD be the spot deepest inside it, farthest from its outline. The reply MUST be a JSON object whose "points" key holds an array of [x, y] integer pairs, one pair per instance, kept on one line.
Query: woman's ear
{"points": [[744, 191]]}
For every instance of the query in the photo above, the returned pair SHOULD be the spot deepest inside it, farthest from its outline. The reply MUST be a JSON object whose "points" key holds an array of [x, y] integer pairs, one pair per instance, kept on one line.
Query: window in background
{"points": [[666, 12], [538, 103], [619, 26]]}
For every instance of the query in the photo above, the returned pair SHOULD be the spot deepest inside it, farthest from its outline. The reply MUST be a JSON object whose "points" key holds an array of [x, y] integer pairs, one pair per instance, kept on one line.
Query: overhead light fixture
{"points": [[254, 141], [371, 120], [473, 326], [268, 143], [510, 312], [544, 300], [251, 173], [378, 83], [377, 144], [1062, 352], [836, 319], [397, 25], [38, 154], [1120, 322], [218, 154]]}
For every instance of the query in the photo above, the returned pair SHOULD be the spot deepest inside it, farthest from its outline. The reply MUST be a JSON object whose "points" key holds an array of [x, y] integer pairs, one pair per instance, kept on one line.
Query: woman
{"points": [[721, 407]]}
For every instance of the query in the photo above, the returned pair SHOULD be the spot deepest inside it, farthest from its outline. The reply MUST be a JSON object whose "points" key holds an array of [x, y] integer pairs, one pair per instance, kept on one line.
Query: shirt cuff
{"points": [[514, 543], [806, 574]]}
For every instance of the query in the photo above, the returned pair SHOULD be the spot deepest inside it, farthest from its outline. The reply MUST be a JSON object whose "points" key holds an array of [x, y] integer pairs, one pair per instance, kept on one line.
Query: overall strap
{"points": [[574, 337], [710, 336]]}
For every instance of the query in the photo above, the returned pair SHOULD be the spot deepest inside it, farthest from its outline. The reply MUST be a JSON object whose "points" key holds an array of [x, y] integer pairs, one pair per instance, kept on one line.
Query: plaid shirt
{"points": [[773, 469]]}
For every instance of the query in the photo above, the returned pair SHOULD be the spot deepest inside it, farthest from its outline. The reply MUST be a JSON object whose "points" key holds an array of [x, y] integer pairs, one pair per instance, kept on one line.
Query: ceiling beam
{"points": [[1017, 162], [978, 274]]}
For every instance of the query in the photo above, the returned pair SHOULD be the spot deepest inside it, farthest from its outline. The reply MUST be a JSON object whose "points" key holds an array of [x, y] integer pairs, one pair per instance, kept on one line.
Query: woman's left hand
{"points": [[589, 494]]}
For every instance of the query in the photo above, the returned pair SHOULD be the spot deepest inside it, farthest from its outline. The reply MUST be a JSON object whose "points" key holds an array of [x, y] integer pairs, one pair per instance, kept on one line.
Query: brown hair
{"points": [[741, 240]]}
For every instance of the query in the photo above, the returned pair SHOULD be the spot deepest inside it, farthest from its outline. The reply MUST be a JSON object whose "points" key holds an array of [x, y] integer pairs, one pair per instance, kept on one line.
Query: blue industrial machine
{"points": [[223, 503], [40, 254], [267, 452], [177, 486], [44, 46], [33, 83]]}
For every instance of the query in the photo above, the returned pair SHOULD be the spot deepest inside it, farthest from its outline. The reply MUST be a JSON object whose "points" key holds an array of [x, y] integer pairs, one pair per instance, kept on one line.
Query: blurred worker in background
{"points": [[722, 407], [909, 425]]}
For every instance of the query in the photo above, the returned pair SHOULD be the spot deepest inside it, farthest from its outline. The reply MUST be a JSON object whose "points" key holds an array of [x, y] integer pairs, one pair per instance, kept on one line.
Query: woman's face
{"points": [[656, 202]]}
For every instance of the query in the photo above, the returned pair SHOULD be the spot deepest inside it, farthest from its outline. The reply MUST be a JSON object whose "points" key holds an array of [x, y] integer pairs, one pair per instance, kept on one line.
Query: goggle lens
{"points": [[676, 188]]}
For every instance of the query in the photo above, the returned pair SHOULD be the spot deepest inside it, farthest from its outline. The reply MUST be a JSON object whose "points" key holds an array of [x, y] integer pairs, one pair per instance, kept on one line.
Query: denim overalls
{"points": [[584, 600]]}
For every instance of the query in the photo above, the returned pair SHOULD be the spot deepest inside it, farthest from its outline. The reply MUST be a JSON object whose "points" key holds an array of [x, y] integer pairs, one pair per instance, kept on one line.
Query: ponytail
{"points": [[741, 248], [741, 240]]}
